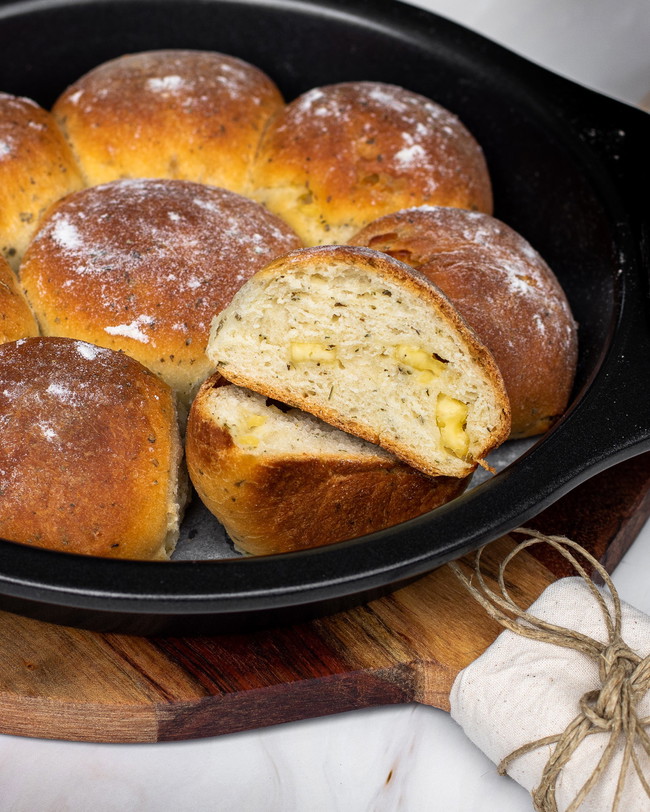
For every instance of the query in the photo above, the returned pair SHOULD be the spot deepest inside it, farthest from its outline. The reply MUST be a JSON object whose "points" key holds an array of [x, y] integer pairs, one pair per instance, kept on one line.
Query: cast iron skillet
{"points": [[568, 166]]}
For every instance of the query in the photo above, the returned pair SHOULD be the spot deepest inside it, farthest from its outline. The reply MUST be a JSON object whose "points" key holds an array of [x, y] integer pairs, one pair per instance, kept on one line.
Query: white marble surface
{"points": [[407, 758]]}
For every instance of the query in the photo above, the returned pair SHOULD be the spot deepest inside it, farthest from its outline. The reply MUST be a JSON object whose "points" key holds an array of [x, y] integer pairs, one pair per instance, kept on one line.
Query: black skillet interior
{"points": [[568, 166]]}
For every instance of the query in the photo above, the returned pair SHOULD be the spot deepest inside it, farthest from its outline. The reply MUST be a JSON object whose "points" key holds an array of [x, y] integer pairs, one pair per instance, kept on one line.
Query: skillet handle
{"points": [[611, 422]]}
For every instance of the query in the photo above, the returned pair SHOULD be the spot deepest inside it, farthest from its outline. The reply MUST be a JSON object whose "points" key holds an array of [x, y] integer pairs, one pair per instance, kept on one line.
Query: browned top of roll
{"points": [[88, 450], [351, 152], [16, 319], [506, 292], [195, 115], [36, 169], [144, 265]]}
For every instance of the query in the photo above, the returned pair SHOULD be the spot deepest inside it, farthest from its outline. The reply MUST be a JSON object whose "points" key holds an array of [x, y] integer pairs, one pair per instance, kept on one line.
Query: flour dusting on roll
{"points": [[504, 289], [371, 346], [89, 451], [192, 115], [144, 265], [342, 155]]}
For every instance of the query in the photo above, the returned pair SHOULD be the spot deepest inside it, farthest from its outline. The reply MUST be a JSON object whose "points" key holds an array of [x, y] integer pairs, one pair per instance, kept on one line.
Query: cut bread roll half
{"points": [[372, 347], [280, 479]]}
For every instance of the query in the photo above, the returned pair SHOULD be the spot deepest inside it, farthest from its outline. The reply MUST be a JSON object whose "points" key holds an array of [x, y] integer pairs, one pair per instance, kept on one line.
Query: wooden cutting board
{"points": [[58, 682]]}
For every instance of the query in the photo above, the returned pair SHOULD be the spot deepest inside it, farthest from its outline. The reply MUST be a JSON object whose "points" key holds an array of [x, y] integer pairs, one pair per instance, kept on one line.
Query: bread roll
{"points": [[36, 169], [193, 115], [283, 480], [505, 290], [89, 451], [16, 319], [342, 155], [371, 346], [144, 265]]}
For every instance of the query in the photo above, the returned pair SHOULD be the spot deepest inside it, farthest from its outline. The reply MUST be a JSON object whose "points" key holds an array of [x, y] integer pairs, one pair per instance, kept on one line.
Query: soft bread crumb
{"points": [[281, 431], [378, 319]]}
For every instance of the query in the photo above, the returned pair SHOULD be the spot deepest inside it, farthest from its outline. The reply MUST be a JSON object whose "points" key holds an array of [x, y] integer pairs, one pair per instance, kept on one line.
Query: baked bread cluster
{"points": [[312, 297]]}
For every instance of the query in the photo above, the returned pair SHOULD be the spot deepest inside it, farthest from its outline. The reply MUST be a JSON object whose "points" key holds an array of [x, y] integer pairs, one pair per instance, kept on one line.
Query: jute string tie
{"points": [[624, 675]]}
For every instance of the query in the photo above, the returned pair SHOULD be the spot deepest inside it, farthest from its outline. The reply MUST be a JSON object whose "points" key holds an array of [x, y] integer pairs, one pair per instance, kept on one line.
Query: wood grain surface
{"points": [[59, 682]]}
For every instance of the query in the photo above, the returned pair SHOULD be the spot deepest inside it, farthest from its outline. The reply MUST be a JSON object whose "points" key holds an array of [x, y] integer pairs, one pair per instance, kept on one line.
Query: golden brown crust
{"points": [[144, 265], [413, 280], [89, 450], [16, 319], [341, 155], [193, 115], [504, 290], [274, 504], [36, 169]]}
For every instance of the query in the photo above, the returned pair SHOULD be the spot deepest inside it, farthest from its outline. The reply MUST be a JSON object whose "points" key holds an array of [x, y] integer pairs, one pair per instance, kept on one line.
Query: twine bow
{"points": [[624, 676]]}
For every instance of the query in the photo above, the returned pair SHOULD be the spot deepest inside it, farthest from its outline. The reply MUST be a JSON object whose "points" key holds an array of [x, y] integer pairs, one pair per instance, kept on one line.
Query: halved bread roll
{"points": [[507, 293], [372, 347], [16, 318], [281, 480], [90, 451]]}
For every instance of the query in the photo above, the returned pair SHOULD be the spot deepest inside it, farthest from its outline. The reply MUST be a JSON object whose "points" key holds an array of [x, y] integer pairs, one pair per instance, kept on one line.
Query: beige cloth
{"points": [[521, 690]]}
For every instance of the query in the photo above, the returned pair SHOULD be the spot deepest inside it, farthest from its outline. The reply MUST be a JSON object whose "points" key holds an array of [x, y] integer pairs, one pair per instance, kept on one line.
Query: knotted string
{"points": [[624, 676]]}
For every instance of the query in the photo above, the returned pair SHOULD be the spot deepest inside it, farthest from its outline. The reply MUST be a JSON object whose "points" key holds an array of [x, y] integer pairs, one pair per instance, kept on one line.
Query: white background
{"points": [[340, 764]]}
